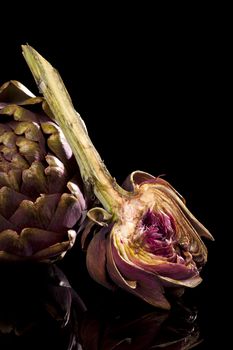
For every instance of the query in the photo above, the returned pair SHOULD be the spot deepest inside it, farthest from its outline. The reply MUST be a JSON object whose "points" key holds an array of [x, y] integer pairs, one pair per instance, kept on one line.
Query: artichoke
{"points": [[40, 195], [153, 244], [149, 240]]}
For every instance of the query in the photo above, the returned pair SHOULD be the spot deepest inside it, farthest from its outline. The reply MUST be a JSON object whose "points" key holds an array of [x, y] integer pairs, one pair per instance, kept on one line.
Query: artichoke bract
{"points": [[149, 240], [41, 201]]}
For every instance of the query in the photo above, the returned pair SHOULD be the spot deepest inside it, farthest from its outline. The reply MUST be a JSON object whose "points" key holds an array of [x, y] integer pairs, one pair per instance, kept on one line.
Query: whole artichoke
{"points": [[40, 198]]}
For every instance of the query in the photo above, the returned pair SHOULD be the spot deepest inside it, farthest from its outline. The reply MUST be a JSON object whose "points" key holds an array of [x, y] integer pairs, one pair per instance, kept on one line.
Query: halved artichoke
{"points": [[150, 241]]}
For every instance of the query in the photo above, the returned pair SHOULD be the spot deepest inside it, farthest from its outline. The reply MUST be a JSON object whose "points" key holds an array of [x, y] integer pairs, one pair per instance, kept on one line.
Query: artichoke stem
{"points": [[93, 171]]}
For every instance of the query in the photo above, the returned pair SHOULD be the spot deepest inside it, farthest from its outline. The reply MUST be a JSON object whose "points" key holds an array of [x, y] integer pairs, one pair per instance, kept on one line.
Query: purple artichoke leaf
{"points": [[95, 217], [56, 251], [86, 229], [138, 177], [100, 216], [135, 179], [97, 252]]}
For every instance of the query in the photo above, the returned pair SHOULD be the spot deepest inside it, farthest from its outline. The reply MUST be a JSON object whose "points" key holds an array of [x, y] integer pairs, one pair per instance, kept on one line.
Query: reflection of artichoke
{"points": [[175, 330], [40, 199], [42, 315]]}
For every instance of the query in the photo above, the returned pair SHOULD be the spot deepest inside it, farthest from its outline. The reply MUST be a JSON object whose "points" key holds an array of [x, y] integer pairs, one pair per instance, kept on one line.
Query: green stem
{"points": [[92, 168]]}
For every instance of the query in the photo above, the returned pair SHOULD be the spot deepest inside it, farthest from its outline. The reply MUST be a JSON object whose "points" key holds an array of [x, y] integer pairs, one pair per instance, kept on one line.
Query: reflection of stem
{"points": [[92, 168]]}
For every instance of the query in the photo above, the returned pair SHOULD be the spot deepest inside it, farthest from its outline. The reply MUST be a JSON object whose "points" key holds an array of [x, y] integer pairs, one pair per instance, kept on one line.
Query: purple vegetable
{"points": [[40, 198], [154, 243], [149, 241]]}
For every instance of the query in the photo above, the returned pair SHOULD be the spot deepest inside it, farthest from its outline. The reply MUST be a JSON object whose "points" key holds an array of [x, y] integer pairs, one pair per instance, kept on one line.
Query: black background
{"points": [[152, 88]]}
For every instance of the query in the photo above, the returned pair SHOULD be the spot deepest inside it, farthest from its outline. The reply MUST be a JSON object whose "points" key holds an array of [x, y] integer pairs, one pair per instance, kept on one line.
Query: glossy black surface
{"points": [[40, 309], [152, 91]]}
